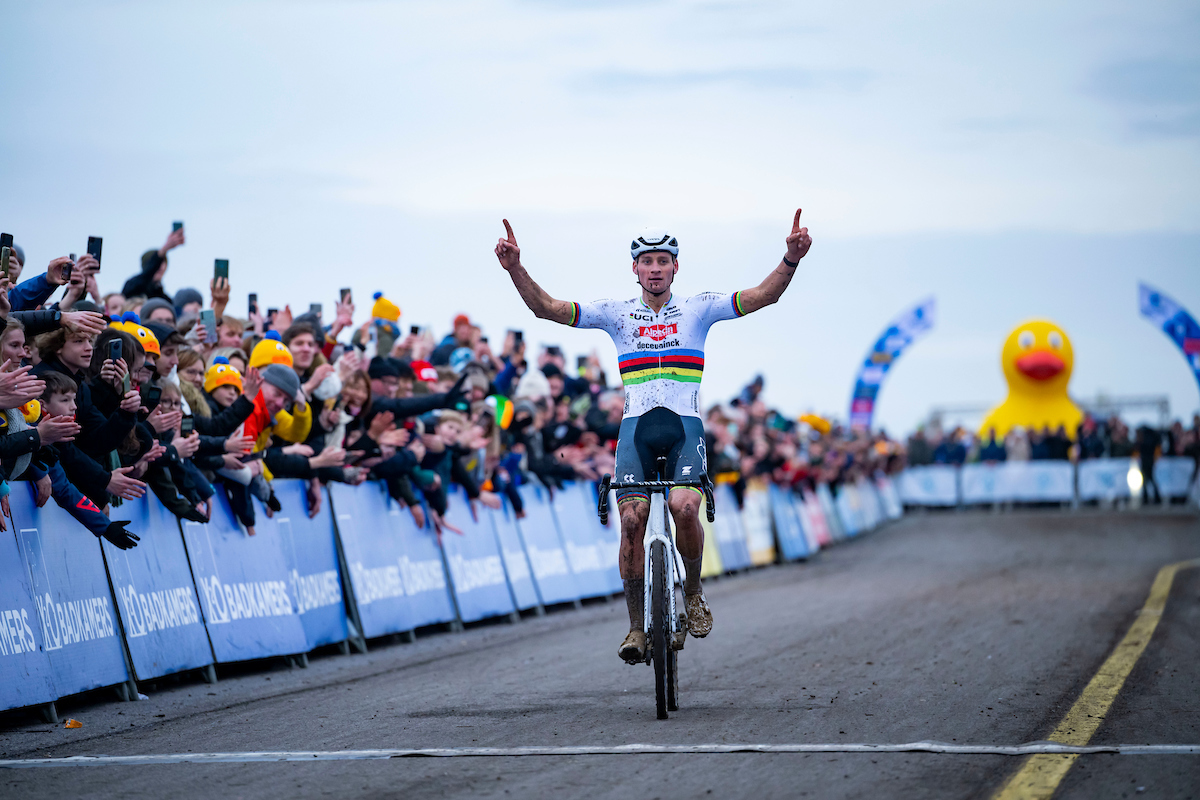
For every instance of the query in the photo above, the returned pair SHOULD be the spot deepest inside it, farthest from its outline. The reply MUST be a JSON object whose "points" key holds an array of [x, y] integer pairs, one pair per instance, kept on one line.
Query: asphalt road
{"points": [[969, 628]]}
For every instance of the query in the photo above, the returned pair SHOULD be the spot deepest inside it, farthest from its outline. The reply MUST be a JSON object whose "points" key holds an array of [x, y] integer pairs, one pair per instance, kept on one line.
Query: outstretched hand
{"points": [[798, 241], [507, 250]]}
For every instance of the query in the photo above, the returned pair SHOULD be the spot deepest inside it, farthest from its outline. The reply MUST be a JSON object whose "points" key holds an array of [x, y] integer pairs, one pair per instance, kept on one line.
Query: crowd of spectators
{"points": [[106, 396]]}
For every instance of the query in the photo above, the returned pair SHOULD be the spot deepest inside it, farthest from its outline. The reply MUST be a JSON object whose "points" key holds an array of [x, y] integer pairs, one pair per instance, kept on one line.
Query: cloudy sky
{"points": [[1015, 160]]}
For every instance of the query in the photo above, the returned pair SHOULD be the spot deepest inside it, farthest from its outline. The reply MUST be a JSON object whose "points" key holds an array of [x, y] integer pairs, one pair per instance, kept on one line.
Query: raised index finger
{"points": [[796, 221], [508, 228]]}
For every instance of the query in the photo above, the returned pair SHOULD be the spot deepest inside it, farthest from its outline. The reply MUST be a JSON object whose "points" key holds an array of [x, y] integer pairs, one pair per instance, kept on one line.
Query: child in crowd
{"points": [[223, 387]]}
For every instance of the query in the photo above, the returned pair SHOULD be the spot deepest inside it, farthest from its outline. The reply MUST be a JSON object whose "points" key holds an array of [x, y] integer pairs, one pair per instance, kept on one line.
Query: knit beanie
{"points": [[185, 296], [155, 303], [385, 309], [270, 350], [131, 323], [283, 378], [503, 408], [222, 373]]}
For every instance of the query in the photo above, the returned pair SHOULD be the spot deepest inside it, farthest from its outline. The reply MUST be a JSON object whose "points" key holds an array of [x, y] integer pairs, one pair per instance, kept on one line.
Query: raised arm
{"points": [[540, 303], [771, 289]]}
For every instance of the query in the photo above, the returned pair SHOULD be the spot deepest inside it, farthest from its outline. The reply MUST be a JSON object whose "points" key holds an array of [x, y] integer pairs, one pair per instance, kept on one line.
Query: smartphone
{"points": [[175, 226], [483, 339], [209, 318], [150, 397], [115, 350], [518, 335], [315, 308], [414, 330], [95, 245], [580, 362], [186, 426], [345, 295], [6, 240], [5, 254], [554, 350], [221, 268], [253, 304], [271, 312]]}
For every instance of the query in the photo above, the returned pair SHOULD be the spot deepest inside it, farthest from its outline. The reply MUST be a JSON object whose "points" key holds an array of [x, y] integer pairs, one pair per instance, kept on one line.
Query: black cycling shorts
{"points": [[690, 464]]}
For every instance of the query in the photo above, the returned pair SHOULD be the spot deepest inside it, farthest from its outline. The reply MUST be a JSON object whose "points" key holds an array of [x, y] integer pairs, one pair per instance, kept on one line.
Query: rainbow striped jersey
{"points": [[661, 355]]}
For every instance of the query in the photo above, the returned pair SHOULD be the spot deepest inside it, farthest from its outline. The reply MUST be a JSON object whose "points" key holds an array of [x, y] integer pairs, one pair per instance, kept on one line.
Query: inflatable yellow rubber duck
{"points": [[1037, 359]]}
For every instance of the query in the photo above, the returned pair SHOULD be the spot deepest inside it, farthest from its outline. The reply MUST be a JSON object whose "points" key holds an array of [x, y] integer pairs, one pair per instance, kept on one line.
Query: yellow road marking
{"points": [[1041, 774]]}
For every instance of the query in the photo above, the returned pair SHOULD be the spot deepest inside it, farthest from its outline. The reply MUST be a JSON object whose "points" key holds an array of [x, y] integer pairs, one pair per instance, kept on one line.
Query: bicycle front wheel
{"points": [[660, 626]]}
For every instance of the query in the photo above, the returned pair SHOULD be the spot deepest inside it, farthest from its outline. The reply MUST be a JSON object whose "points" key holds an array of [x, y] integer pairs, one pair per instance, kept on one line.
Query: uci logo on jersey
{"points": [[658, 332]]}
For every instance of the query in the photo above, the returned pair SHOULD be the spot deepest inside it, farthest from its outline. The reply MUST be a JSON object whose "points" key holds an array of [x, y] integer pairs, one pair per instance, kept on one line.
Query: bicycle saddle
{"points": [[659, 434]]}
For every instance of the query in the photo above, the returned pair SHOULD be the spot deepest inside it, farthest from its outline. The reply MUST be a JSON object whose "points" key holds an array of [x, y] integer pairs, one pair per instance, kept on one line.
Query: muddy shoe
{"points": [[698, 615], [633, 649]]}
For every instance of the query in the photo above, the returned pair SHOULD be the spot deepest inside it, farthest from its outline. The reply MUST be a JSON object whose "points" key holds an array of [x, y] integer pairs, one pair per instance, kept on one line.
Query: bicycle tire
{"points": [[659, 625]]}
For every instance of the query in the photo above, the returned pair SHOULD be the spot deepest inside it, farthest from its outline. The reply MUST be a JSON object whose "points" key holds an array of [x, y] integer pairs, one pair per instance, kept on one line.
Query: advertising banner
{"points": [[1105, 478], [477, 574], [243, 587], [156, 598], [847, 509], [26, 678], [981, 484], [375, 558], [310, 549], [898, 335], [555, 582], [730, 534], [584, 553], [789, 531], [1173, 320], [892, 507], [829, 510], [872, 510], [607, 537], [76, 614], [1040, 481], [1173, 474], [813, 519], [931, 485], [516, 563], [756, 519]]}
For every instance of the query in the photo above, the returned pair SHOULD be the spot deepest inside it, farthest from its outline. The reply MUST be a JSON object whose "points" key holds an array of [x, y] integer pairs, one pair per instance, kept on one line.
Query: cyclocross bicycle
{"points": [[665, 627]]}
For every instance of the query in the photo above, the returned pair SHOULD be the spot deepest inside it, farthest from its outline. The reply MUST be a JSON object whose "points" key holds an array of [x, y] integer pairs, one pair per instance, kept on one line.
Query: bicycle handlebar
{"points": [[704, 484]]}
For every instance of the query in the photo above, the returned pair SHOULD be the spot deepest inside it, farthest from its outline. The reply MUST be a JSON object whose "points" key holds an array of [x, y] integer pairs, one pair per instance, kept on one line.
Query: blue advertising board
{"points": [[374, 557], [310, 550], [547, 557], [789, 531], [423, 568], [25, 675], [829, 510], [579, 541], [156, 598], [516, 563], [396, 569], [731, 536], [607, 537], [243, 588], [476, 570], [78, 618]]}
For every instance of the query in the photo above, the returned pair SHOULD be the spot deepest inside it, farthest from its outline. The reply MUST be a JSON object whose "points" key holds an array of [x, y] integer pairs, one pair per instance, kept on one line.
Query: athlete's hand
{"points": [[798, 241], [507, 250]]}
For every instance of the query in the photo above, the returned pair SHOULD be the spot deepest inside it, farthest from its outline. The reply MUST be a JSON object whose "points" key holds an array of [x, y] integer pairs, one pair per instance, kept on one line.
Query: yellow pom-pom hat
{"points": [[271, 350], [385, 309], [131, 323], [222, 373]]}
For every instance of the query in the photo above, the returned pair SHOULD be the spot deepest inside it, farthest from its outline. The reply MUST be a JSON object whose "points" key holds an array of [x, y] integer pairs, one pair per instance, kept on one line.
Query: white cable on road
{"points": [[1029, 748]]}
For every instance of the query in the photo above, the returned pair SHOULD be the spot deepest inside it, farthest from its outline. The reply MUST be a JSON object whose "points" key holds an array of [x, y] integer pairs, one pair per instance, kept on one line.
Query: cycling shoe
{"points": [[698, 614], [633, 649]]}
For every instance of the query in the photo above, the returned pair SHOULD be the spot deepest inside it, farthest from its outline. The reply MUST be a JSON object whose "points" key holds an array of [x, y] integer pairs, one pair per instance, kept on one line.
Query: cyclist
{"points": [[660, 348]]}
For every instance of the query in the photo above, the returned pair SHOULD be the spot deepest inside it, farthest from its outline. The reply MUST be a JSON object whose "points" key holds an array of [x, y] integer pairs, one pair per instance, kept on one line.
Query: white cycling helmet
{"points": [[653, 239]]}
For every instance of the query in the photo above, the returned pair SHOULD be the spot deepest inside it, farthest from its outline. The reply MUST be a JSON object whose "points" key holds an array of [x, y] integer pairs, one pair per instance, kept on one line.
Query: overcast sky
{"points": [[1015, 160]]}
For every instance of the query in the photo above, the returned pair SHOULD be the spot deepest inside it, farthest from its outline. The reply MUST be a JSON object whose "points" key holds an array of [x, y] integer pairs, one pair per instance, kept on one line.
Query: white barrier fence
{"points": [[1101, 479]]}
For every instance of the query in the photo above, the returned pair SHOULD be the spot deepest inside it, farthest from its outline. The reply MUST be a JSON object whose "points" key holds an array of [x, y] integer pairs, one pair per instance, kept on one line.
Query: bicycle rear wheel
{"points": [[660, 637]]}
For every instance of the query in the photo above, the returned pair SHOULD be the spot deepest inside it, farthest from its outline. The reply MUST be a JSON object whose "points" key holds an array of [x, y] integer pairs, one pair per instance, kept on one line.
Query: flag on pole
{"points": [[898, 335]]}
